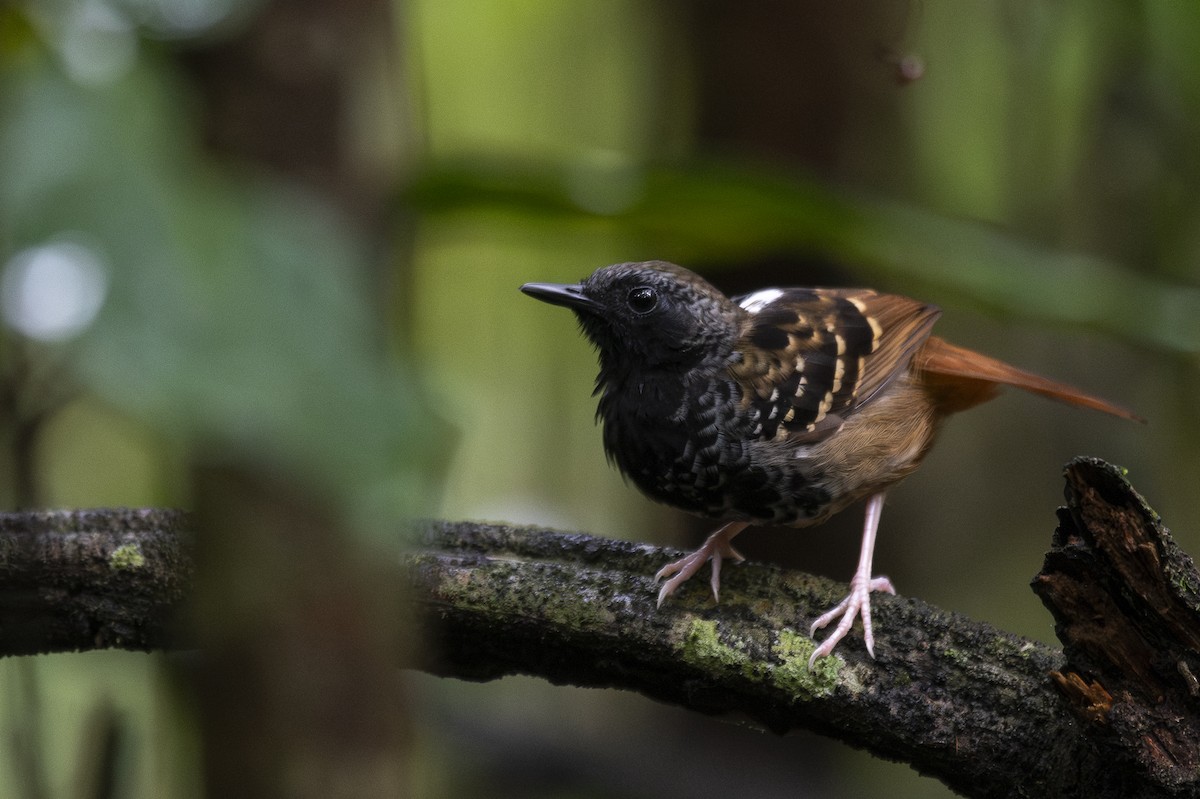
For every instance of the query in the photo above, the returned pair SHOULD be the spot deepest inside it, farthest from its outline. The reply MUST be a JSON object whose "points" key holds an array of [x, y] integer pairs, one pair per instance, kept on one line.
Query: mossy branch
{"points": [[986, 712]]}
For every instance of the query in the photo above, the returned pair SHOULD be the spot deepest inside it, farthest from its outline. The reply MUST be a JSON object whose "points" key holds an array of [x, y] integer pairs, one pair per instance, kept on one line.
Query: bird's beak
{"points": [[568, 294]]}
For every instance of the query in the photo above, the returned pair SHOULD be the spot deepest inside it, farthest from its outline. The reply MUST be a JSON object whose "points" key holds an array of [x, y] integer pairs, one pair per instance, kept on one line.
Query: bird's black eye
{"points": [[642, 299]]}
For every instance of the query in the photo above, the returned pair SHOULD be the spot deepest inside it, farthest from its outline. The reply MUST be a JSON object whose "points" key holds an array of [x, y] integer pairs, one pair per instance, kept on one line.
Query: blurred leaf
{"points": [[239, 318], [724, 212]]}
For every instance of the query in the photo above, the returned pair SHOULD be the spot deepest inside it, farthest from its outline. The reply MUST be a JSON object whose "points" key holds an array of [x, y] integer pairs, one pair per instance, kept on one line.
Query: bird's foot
{"points": [[857, 603], [715, 548]]}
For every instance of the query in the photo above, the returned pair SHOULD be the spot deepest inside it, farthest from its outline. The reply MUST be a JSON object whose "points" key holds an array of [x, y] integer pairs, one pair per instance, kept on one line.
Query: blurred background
{"points": [[285, 238]]}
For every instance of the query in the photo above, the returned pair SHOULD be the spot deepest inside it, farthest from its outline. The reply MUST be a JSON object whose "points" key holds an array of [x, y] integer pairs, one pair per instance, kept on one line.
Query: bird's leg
{"points": [[714, 548], [858, 601]]}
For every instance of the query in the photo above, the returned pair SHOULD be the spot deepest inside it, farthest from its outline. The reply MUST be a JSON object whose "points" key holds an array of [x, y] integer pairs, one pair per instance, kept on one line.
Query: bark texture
{"points": [[1114, 714], [1126, 602]]}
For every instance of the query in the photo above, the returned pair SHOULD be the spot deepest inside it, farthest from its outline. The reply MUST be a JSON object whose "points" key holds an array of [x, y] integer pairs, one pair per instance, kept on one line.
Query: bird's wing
{"points": [[810, 357], [960, 378]]}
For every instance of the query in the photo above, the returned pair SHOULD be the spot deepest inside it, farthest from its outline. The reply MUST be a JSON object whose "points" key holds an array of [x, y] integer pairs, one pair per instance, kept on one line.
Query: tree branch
{"points": [[1126, 602], [986, 712], [91, 579]]}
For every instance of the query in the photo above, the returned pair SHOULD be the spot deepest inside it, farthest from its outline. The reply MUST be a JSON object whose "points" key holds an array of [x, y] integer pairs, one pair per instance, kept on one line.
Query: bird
{"points": [[779, 407]]}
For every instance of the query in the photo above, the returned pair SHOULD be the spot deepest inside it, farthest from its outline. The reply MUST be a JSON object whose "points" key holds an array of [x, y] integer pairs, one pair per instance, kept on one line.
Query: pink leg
{"points": [[858, 601], [714, 548]]}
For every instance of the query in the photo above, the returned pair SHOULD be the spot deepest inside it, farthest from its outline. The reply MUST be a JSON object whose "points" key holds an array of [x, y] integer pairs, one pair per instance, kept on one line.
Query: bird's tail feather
{"points": [[961, 378]]}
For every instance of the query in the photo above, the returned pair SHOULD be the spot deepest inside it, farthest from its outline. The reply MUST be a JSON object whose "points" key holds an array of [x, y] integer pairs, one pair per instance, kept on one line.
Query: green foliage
{"points": [[239, 319], [725, 213]]}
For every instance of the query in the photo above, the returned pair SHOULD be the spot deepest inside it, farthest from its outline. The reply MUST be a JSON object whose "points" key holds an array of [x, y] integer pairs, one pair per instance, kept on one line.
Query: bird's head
{"points": [[648, 316]]}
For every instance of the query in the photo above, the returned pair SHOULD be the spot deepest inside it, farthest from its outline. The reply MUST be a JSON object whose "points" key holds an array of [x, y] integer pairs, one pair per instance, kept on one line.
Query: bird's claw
{"points": [[857, 603], [680, 571]]}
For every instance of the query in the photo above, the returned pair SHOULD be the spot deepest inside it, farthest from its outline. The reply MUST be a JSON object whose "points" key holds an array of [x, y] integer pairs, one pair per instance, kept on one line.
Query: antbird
{"points": [[782, 407]]}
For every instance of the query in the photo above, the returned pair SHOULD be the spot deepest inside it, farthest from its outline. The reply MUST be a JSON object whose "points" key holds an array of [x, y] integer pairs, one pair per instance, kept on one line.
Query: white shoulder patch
{"points": [[753, 303]]}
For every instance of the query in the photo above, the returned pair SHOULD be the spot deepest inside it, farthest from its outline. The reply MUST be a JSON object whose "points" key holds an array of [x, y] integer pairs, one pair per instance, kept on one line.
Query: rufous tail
{"points": [[961, 378]]}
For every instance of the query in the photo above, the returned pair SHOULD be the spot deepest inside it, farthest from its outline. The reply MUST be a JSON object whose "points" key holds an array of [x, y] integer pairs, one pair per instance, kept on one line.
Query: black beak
{"points": [[567, 294]]}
